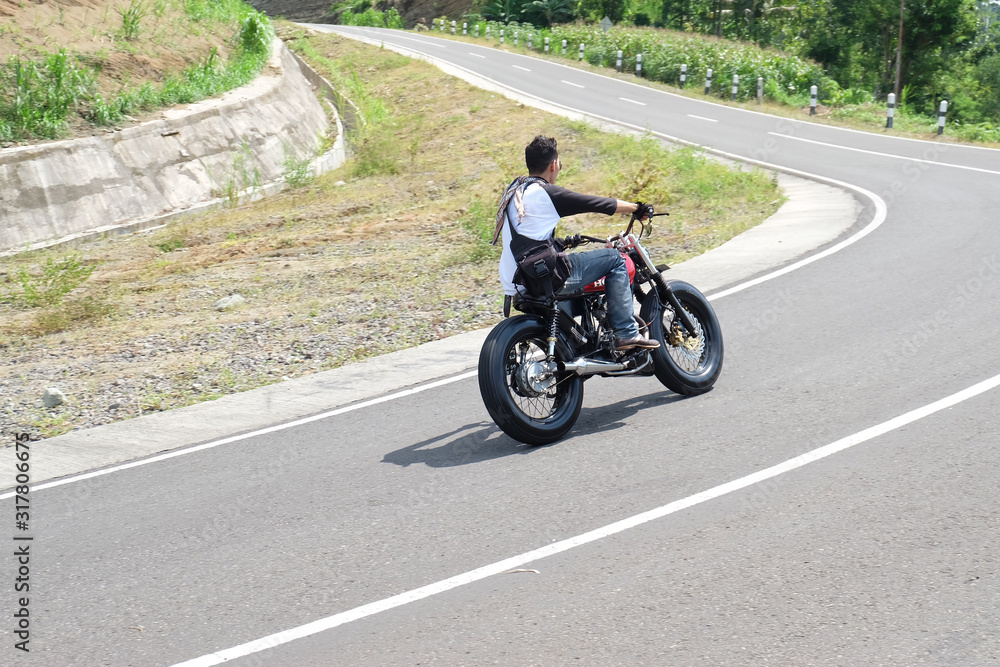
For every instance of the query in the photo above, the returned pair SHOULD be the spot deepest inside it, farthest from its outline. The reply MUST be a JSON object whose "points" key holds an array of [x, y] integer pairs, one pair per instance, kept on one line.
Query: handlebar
{"points": [[579, 239]]}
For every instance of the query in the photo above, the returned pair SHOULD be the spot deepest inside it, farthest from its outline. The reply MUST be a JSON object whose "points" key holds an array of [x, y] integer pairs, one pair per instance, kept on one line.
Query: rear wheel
{"points": [[687, 364], [524, 395]]}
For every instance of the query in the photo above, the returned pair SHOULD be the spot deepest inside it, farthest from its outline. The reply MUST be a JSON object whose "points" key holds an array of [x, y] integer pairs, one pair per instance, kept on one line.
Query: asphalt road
{"points": [[881, 554]]}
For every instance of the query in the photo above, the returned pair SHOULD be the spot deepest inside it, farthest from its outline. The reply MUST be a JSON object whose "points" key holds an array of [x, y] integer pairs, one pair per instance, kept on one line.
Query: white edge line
{"points": [[710, 120], [716, 105], [252, 434], [478, 574], [889, 155]]}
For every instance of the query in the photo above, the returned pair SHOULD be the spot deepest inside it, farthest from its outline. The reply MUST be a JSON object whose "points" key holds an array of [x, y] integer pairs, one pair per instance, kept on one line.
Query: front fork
{"points": [[664, 292]]}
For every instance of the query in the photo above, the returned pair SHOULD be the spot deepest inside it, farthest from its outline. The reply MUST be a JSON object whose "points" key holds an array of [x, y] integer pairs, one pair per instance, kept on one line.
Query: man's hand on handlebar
{"points": [[643, 211]]}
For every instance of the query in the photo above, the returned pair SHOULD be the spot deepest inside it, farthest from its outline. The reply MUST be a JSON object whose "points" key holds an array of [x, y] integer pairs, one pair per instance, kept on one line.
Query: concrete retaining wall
{"points": [[56, 192]]}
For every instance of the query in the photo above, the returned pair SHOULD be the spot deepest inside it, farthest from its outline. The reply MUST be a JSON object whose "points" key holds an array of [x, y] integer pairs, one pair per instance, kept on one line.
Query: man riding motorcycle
{"points": [[532, 206]]}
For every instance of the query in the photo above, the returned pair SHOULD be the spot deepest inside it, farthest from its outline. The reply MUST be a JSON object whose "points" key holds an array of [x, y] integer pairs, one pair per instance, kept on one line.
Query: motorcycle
{"points": [[532, 366]]}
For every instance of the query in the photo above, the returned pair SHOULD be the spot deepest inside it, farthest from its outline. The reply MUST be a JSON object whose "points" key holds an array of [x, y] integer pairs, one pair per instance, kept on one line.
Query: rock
{"points": [[229, 302], [53, 397]]}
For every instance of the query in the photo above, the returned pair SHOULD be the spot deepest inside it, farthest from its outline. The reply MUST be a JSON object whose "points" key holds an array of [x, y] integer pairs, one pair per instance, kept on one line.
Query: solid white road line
{"points": [[522, 68], [263, 431], [892, 155], [710, 120], [625, 99], [570, 83], [619, 526]]}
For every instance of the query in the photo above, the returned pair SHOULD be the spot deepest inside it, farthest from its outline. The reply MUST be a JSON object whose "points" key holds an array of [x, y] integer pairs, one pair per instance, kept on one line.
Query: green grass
{"points": [[38, 97]]}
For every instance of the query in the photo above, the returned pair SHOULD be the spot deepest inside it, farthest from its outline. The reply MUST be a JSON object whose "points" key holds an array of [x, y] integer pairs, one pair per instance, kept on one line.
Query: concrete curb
{"points": [[814, 215]]}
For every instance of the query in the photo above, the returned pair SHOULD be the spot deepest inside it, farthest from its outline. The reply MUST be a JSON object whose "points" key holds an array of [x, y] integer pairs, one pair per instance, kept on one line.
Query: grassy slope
{"points": [[335, 273], [169, 37]]}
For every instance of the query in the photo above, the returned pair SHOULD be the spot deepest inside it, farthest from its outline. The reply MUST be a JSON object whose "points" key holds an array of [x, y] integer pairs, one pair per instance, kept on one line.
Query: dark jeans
{"points": [[586, 267]]}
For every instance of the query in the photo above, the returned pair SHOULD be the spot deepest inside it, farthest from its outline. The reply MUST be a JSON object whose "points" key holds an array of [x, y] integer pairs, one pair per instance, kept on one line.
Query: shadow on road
{"points": [[484, 441]]}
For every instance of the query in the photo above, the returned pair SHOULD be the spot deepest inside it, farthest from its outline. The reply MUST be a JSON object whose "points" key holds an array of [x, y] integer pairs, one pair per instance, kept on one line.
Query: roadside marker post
{"points": [[708, 82], [581, 52], [546, 45], [564, 47], [618, 63], [638, 65], [760, 90], [736, 85], [684, 74], [812, 100], [942, 112], [891, 112]]}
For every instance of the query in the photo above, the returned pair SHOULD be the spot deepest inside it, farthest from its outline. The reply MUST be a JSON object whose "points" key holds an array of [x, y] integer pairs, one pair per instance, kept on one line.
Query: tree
{"points": [[546, 12], [595, 10]]}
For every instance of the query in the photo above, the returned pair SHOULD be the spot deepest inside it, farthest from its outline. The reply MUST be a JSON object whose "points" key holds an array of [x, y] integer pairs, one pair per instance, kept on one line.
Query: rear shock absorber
{"points": [[553, 331]]}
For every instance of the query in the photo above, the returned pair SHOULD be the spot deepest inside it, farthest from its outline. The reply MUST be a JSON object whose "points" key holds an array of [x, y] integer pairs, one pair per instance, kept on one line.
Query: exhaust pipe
{"points": [[582, 366]]}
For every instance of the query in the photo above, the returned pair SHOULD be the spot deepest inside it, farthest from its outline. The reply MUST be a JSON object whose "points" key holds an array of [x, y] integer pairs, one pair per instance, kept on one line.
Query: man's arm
{"points": [[567, 202]]}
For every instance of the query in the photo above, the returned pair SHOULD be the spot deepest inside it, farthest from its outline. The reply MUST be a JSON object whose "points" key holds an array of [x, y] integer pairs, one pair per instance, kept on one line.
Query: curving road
{"points": [[832, 502]]}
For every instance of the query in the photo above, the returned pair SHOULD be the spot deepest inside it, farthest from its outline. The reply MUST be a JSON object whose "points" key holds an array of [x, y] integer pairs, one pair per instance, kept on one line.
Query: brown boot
{"points": [[636, 341]]}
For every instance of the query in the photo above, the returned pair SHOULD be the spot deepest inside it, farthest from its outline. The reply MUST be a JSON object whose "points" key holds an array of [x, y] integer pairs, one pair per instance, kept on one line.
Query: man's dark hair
{"points": [[540, 153]]}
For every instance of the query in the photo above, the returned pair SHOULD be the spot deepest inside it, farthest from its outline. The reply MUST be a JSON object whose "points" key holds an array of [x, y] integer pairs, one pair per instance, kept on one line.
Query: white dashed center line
{"points": [[625, 99], [570, 83], [478, 55], [522, 68], [710, 120]]}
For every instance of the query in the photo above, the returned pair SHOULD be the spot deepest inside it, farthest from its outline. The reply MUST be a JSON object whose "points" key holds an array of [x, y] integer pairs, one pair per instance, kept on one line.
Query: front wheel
{"points": [[526, 398], [687, 364]]}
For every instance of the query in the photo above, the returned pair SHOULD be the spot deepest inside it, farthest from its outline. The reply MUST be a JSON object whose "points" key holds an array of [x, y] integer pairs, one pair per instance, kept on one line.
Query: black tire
{"points": [[527, 415], [682, 368]]}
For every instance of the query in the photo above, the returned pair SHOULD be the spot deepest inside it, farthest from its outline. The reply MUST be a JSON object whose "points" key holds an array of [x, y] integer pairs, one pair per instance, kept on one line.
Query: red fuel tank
{"points": [[598, 286]]}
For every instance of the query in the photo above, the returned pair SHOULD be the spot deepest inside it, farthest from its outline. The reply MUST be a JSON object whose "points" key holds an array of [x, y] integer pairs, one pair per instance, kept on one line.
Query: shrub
{"points": [[54, 280]]}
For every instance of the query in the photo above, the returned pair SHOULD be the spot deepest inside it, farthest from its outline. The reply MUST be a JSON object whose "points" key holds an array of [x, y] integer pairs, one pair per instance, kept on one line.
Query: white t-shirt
{"points": [[544, 205]]}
